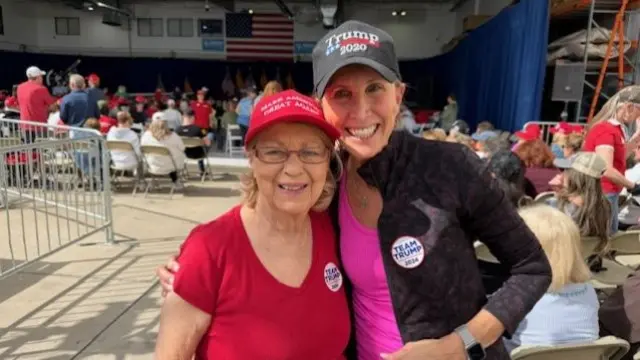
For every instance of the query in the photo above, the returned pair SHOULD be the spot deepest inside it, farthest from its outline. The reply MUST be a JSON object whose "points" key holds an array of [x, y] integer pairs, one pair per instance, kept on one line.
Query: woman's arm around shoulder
{"points": [[490, 217], [182, 326], [188, 310]]}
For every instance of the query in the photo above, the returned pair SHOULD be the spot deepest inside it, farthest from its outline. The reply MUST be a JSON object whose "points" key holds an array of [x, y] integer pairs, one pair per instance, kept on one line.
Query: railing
{"points": [[54, 190], [545, 127]]}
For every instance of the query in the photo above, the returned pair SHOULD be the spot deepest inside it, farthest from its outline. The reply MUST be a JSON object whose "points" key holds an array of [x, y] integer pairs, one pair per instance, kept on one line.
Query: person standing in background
{"points": [[202, 110], [271, 88], [74, 108], [229, 117], [95, 94], [34, 101], [173, 116], [244, 109], [449, 114], [139, 113]]}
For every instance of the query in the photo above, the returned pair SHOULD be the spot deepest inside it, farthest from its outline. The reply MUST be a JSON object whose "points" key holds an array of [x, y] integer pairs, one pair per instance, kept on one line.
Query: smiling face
{"points": [[364, 107], [290, 163]]}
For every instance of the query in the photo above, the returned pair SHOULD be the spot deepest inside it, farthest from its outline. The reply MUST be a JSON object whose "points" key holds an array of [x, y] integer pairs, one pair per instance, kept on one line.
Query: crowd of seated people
{"points": [[568, 181]]}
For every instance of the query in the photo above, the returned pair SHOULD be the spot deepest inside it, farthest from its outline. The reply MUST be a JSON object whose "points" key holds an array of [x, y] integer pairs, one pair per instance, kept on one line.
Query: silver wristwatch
{"points": [[475, 351]]}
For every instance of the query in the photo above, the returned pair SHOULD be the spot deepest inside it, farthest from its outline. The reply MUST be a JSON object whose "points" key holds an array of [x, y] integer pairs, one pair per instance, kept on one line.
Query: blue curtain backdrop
{"points": [[497, 72]]}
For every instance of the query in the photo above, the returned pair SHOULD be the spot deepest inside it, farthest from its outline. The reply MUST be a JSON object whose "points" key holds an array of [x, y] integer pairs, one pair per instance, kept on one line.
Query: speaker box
{"points": [[568, 82]]}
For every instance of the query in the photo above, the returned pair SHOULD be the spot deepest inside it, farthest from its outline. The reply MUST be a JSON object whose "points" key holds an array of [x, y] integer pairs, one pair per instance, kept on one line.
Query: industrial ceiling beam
{"points": [[458, 4]]}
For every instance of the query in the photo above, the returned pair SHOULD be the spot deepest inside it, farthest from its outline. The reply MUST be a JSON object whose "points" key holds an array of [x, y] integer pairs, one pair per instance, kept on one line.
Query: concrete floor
{"points": [[97, 301]]}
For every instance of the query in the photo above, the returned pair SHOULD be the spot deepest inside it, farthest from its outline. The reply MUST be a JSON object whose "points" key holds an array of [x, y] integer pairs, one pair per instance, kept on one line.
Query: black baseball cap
{"points": [[353, 42]]}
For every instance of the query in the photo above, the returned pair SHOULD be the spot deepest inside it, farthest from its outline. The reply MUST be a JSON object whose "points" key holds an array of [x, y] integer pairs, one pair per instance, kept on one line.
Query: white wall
{"points": [[419, 34]]}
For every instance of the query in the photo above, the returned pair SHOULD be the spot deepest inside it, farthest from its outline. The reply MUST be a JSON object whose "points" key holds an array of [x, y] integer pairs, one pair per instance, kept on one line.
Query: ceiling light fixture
{"points": [[403, 13], [394, 13], [250, 11]]}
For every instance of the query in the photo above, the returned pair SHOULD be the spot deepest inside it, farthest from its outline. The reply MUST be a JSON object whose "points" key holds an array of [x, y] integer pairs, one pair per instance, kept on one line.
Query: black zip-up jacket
{"points": [[442, 195]]}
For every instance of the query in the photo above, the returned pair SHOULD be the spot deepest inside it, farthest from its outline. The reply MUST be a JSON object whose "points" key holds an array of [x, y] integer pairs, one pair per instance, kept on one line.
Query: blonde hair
{"points": [[559, 138], [159, 129], [484, 126], [271, 88], [610, 108], [124, 117], [560, 239], [574, 141], [250, 188], [437, 134], [460, 139]]}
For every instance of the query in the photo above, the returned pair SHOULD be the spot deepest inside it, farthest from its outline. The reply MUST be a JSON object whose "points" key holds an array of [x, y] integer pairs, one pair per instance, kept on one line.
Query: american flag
{"points": [[258, 36]]}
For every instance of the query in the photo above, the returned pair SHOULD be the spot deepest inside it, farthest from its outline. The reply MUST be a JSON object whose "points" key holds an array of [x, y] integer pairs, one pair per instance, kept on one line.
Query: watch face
{"points": [[476, 352]]}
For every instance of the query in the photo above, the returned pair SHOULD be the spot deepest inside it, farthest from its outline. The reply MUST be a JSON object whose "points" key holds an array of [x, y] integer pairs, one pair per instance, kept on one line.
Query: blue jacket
{"points": [[95, 95], [74, 109]]}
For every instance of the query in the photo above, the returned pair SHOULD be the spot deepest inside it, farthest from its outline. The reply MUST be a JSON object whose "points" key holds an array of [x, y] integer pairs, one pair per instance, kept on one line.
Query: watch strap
{"points": [[466, 336]]}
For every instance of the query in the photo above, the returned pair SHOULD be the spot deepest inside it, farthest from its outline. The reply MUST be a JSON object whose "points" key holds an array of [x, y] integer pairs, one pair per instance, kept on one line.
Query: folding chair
{"points": [[192, 143], [606, 348], [234, 135], [125, 146], [153, 150], [9, 141]]}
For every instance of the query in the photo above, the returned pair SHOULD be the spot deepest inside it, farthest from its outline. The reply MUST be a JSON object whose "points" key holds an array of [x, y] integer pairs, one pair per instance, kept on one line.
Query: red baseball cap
{"points": [[93, 78], [576, 129], [562, 127], [288, 106], [531, 132], [141, 99]]}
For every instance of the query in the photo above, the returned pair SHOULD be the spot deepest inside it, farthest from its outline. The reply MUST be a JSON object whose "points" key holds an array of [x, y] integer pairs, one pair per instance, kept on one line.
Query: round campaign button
{"points": [[332, 277], [407, 252]]}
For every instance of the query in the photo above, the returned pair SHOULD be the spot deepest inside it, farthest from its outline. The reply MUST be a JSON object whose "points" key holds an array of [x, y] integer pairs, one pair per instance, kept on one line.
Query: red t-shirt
{"points": [[254, 316], [106, 123], [34, 101], [201, 111], [608, 133]]}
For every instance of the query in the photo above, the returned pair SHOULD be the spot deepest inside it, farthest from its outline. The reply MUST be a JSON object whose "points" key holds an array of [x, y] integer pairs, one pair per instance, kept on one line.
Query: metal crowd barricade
{"points": [[54, 190]]}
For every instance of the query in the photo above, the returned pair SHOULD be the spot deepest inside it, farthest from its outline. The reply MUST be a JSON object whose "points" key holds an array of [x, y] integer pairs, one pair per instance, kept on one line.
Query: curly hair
{"points": [[535, 153]]}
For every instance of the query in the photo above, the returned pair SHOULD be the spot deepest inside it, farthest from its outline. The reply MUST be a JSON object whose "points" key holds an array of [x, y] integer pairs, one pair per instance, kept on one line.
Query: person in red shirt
{"points": [[34, 101], [263, 281], [203, 110], [608, 137], [106, 121]]}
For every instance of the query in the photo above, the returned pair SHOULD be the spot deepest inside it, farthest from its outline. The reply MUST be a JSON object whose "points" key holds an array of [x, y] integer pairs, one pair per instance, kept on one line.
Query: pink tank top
{"points": [[376, 327]]}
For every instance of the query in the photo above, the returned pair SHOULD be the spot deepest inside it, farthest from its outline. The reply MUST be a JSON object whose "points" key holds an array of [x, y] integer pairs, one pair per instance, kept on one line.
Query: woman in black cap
{"points": [[408, 213]]}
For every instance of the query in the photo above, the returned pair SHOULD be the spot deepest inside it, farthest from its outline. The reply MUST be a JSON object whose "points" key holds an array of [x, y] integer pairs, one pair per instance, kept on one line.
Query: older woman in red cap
{"points": [[262, 281]]}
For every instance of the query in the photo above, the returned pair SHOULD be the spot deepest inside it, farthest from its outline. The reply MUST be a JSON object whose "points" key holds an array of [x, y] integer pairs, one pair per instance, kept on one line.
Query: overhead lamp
{"points": [[403, 13], [394, 13], [250, 11], [90, 8]]}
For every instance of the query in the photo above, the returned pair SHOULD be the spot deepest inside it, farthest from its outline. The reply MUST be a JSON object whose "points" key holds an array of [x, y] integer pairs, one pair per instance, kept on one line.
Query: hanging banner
{"points": [[303, 47], [215, 45]]}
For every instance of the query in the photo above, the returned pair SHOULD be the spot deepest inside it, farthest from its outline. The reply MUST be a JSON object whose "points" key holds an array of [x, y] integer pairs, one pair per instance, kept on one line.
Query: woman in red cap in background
{"points": [[609, 136], [262, 281]]}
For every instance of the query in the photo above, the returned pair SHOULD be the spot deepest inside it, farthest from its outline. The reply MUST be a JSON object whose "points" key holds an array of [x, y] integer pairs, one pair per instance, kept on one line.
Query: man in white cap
{"points": [[34, 100]]}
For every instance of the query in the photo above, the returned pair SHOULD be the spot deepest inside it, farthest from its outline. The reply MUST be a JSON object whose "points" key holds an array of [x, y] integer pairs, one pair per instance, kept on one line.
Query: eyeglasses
{"points": [[274, 155]]}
